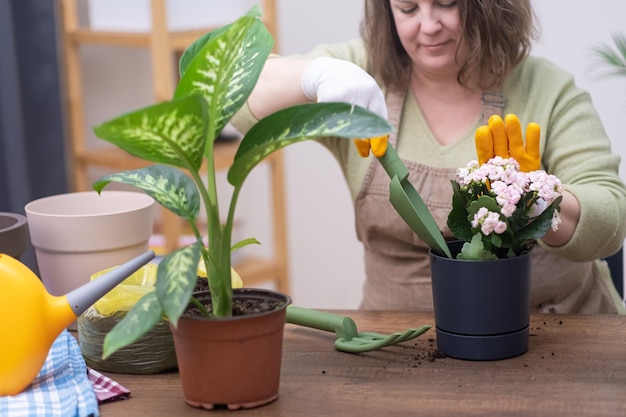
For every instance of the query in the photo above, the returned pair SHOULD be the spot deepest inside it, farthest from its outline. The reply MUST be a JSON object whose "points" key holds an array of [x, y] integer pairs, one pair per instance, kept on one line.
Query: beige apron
{"points": [[397, 263]]}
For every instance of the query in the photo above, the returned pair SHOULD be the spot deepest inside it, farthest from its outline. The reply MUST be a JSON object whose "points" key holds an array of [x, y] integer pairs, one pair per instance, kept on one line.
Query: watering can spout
{"points": [[31, 318], [83, 297]]}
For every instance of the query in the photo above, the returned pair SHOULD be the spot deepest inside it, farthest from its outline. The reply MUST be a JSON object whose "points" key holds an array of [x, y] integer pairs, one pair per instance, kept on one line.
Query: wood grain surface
{"points": [[575, 366]]}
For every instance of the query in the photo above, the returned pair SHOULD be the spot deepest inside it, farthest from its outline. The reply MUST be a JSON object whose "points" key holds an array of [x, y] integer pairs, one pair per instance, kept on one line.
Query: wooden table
{"points": [[575, 366]]}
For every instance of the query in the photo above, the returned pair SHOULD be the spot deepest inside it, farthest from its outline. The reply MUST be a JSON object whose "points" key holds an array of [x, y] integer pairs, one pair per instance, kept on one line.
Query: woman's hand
{"points": [[334, 80], [286, 82]]}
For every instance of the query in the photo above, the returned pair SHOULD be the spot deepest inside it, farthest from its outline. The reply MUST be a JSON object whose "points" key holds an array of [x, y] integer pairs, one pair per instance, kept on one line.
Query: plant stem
{"points": [[217, 263], [200, 307]]}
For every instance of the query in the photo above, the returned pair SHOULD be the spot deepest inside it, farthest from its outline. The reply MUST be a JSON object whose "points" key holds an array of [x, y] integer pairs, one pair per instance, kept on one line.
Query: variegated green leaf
{"points": [[172, 132], [299, 123], [170, 187], [226, 68], [141, 318], [190, 53], [176, 280]]}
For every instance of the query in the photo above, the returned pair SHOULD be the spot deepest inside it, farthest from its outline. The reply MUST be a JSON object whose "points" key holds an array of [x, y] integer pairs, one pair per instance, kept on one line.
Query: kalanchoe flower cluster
{"points": [[501, 211]]}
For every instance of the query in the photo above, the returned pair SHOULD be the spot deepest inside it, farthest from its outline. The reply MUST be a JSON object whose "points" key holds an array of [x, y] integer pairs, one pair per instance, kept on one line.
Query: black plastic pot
{"points": [[482, 308], [14, 237]]}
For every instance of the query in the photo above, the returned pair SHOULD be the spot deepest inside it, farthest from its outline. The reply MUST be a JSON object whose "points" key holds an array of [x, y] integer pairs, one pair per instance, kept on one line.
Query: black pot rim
{"points": [[434, 254], [18, 221]]}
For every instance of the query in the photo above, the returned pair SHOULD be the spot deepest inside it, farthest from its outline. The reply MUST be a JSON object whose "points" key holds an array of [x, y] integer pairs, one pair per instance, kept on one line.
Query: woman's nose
{"points": [[429, 21]]}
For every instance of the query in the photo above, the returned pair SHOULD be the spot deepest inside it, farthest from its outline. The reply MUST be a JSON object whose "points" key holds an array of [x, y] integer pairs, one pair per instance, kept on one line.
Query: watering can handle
{"points": [[84, 296]]}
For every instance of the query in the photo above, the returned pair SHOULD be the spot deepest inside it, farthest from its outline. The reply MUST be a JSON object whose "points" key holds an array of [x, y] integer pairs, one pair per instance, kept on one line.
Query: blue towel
{"points": [[62, 387]]}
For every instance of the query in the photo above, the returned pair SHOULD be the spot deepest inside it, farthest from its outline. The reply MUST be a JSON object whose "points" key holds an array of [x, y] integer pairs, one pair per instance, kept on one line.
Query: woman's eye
{"points": [[447, 4], [409, 10]]}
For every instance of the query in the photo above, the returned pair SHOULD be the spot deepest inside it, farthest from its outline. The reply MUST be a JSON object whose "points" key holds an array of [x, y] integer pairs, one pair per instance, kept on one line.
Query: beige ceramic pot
{"points": [[78, 234], [232, 362]]}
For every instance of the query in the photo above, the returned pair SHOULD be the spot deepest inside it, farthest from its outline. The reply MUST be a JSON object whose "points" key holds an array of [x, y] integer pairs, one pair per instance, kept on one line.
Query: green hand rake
{"points": [[349, 339]]}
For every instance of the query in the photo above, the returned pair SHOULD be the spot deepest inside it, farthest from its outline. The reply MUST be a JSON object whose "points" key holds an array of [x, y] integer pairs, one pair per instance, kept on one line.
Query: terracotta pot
{"points": [[232, 362], [482, 308], [13, 234]]}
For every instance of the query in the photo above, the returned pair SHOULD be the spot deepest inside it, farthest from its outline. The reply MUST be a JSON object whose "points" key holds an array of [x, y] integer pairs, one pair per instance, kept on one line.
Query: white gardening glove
{"points": [[329, 79]]}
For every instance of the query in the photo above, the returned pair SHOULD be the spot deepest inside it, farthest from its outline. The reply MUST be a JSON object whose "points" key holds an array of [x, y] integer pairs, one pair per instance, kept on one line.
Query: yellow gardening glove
{"points": [[504, 138], [378, 145]]}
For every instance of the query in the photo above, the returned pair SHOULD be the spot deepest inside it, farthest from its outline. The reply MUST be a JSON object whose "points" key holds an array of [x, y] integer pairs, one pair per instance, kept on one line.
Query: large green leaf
{"points": [[224, 67], [176, 279], [300, 123], [190, 53], [141, 318], [171, 133], [170, 187]]}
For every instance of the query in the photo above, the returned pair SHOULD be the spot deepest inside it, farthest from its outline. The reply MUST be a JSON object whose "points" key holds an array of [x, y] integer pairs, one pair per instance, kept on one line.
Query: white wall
{"points": [[326, 258], [326, 265]]}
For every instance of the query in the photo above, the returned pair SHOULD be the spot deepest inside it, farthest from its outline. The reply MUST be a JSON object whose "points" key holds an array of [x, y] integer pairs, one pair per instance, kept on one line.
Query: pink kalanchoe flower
{"points": [[488, 221], [507, 195], [510, 202]]}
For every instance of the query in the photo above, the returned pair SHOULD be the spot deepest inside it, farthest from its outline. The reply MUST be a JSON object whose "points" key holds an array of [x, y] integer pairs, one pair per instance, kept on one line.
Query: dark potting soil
{"points": [[241, 307]]}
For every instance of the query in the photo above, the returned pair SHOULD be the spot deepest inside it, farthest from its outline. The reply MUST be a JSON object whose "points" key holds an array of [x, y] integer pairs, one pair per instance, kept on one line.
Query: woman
{"points": [[438, 69]]}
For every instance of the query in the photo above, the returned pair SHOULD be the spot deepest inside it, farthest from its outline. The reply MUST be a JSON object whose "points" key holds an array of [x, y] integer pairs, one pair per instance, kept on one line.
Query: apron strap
{"points": [[493, 103], [395, 104]]}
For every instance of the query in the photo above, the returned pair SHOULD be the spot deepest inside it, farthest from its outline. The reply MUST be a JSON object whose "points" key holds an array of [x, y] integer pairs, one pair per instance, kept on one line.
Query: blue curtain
{"points": [[32, 145]]}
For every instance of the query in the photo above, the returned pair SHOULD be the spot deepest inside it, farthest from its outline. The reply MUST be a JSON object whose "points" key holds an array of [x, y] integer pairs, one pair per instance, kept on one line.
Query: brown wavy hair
{"points": [[497, 35]]}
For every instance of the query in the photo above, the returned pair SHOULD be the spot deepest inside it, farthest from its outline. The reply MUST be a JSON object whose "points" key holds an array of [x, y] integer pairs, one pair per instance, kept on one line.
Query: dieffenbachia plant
{"points": [[218, 72]]}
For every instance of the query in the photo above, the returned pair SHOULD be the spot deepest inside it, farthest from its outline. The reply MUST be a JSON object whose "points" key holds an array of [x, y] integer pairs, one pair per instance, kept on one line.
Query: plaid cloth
{"points": [[61, 388], [105, 388]]}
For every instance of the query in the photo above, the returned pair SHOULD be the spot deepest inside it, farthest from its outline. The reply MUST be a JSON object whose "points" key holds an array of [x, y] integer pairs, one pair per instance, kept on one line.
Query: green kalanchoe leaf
{"points": [[483, 201], [169, 186], [170, 133], [520, 217], [457, 218], [176, 279], [141, 318], [538, 227], [224, 68], [475, 250], [304, 122]]}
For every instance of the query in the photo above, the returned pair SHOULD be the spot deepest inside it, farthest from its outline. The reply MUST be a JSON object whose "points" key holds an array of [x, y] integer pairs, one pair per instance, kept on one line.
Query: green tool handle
{"points": [[343, 326], [393, 165], [408, 203]]}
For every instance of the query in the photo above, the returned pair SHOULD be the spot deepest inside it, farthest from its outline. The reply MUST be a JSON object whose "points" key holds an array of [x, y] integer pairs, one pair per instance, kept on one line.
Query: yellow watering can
{"points": [[31, 318]]}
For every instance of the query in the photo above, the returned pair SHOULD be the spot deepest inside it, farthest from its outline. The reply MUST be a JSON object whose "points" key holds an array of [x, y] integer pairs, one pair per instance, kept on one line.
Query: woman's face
{"points": [[430, 32]]}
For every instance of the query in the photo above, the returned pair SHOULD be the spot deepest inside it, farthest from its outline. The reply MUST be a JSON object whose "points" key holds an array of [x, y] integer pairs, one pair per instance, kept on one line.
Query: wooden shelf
{"points": [[178, 40], [164, 46], [117, 159], [257, 270]]}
